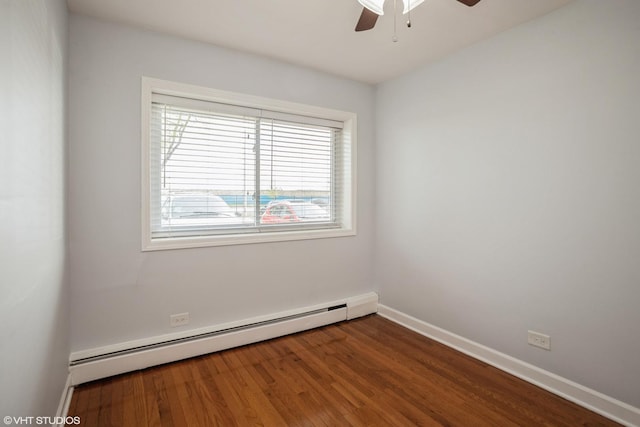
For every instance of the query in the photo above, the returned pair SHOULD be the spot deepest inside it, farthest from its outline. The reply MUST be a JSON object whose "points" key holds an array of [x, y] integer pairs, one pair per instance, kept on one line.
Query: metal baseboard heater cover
{"points": [[107, 361], [201, 336]]}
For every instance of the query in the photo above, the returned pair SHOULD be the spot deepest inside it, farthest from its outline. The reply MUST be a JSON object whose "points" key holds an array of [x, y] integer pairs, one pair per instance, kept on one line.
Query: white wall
{"points": [[508, 198], [34, 338], [120, 293]]}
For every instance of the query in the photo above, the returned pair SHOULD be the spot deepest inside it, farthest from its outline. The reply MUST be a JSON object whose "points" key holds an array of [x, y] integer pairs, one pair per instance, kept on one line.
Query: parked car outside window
{"points": [[184, 209], [288, 211]]}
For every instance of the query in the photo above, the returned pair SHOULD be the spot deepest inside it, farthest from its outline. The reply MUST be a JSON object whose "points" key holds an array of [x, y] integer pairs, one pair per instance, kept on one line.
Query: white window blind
{"points": [[220, 169]]}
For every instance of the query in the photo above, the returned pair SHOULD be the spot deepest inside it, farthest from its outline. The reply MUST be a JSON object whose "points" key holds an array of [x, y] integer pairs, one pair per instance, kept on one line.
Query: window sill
{"points": [[241, 239]]}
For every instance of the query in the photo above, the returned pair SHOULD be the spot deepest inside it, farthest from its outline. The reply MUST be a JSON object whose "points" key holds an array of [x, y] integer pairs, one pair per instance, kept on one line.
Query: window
{"points": [[223, 168]]}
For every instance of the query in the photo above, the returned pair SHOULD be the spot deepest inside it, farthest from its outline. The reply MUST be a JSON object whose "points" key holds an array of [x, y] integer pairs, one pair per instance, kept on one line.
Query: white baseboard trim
{"points": [[65, 401], [103, 362], [609, 407]]}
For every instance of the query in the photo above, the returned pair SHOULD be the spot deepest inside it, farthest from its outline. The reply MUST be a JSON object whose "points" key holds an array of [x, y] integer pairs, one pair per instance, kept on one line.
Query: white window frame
{"points": [[347, 227]]}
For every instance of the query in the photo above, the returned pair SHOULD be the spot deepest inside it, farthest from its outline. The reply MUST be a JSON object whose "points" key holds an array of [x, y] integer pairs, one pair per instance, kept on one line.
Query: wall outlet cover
{"points": [[180, 319], [539, 340]]}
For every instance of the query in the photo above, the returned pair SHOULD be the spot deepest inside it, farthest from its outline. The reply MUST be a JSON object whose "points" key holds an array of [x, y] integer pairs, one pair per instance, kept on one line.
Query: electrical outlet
{"points": [[537, 339], [181, 319]]}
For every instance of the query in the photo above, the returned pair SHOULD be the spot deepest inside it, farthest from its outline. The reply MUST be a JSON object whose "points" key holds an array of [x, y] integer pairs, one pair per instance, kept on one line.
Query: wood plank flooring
{"points": [[364, 372]]}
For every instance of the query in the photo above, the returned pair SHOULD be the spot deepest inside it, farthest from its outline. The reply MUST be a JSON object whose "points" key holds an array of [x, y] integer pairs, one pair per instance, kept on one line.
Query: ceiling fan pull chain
{"points": [[409, 14], [395, 21]]}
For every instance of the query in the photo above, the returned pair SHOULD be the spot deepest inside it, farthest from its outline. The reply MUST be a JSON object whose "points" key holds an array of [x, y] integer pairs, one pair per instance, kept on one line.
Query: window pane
{"points": [[296, 164], [207, 169]]}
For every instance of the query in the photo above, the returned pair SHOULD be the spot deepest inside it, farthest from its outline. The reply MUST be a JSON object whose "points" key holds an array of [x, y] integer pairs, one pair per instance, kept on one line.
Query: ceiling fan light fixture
{"points": [[410, 5], [375, 6]]}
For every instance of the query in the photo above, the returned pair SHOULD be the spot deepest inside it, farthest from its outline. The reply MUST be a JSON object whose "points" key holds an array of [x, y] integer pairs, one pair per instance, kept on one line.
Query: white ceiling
{"points": [[320, 33]]}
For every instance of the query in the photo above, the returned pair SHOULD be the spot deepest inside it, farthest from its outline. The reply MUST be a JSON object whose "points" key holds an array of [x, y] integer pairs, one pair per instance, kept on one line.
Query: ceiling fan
{"points": [[374, 8]]}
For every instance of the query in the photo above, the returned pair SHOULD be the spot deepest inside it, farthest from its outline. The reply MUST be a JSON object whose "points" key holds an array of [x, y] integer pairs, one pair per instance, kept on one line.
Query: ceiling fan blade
{"points": [[469, 2], [367, 20]]}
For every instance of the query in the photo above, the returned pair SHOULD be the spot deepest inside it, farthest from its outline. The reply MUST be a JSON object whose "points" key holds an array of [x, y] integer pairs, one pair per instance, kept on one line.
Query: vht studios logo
{"points": [[41, 420]]}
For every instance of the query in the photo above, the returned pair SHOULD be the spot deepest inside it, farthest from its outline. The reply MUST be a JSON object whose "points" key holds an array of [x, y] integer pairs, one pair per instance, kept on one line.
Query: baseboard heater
{"points": [[202, 335], [107, 361]]}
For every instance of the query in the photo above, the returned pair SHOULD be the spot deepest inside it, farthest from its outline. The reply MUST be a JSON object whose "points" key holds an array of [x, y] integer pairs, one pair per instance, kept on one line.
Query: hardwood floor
{"points": [[365, 372]]}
